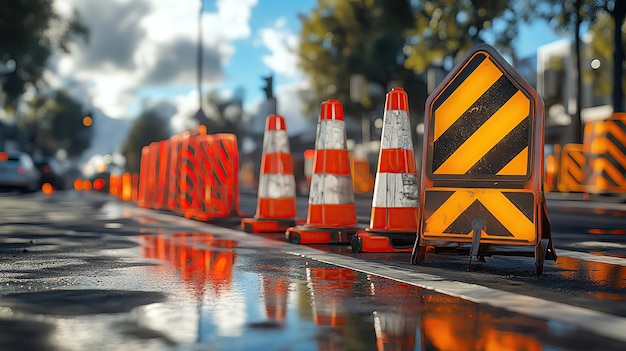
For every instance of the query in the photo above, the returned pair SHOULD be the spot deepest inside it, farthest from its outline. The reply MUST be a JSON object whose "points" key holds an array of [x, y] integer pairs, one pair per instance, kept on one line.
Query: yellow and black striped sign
{"points": [[481, 122], [507, 215], [608, 155], [572, 173]]}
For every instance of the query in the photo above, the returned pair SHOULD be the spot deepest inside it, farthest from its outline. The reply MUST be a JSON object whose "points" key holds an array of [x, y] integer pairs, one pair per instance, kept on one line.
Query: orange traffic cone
{"points": [[332, 213], [393, 223], [276, 206]]}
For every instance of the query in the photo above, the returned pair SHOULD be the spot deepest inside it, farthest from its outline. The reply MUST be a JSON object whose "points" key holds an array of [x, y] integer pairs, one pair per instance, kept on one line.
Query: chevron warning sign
{"points": [[508, 214], [483, 164], [481, 123]]}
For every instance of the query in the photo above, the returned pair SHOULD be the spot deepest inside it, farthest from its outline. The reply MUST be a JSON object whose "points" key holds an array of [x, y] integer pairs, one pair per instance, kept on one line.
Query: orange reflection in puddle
{"points": [[601, 274], [607, 231], [446, 323], [201, 259]]}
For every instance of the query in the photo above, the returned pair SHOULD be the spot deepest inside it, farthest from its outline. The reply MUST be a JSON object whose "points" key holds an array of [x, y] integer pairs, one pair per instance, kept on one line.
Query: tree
{"points": [[55, 122], [346, 37], [146, 128], [601, 72], [568, 16], [29, 32], [446, 29]]}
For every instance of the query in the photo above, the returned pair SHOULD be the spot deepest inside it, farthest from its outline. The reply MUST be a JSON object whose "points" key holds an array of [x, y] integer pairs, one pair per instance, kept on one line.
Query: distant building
{"points": [[556, 79]]}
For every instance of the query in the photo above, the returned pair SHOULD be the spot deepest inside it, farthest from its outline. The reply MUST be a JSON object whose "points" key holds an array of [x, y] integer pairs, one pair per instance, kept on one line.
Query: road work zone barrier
{"points": [[331, 215], [607, 155], [552, 168], [393, 222], [482, 169], [193, 173], [572, 171], [276, 202]]}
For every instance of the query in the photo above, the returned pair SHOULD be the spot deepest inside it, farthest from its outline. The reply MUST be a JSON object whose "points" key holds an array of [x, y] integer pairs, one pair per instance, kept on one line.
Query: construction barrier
{"points": [[331, 215], [202, 260], [276, 204], [393, 222], [552, 168], [193, 174], [572, 169], [483, 164], [144, 175], [607, 155]]}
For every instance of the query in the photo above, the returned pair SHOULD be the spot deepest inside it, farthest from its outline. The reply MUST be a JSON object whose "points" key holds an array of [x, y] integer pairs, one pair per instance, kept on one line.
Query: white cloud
{"points": [[282, 46], [136, 43]]}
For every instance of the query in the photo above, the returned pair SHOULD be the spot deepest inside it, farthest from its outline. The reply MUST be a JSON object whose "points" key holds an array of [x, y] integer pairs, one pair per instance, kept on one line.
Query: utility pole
{"points": [[200, 116], [619, 11]]}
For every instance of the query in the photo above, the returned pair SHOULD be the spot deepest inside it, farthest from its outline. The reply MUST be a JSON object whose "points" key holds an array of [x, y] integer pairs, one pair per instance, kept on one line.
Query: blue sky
{"points": [[246, 67], [149, 56]]}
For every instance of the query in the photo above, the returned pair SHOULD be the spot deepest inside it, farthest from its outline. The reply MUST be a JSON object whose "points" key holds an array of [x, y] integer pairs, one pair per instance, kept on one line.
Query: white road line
{"points": [[591, 257], [598, 322]]}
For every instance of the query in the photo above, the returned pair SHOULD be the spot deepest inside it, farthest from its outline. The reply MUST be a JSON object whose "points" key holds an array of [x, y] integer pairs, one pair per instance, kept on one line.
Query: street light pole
{"points": [[199, 55]]}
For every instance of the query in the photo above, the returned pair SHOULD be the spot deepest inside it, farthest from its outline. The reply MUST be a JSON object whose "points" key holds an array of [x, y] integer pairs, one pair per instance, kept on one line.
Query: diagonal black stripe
{"points": [[574, 178], [472, 119], [463, 223], [434, 199], [620, 168], [609, 179], [621, 124], [459, 79], [524, 202], [224, 149], [613, 139], [504, 151], [573, 160]]}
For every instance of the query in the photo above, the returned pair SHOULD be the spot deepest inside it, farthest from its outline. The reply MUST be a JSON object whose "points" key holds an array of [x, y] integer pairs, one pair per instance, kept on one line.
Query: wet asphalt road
{"points": [[84, 271]]}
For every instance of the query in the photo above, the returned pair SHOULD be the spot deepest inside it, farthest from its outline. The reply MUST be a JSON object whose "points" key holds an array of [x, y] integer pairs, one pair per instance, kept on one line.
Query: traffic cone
{"points": [[393, 222], [331, 216], [276, 206]]}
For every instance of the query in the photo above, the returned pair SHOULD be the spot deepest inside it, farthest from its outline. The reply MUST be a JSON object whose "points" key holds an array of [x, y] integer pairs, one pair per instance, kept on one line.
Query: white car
{"points": [[17, 171]]}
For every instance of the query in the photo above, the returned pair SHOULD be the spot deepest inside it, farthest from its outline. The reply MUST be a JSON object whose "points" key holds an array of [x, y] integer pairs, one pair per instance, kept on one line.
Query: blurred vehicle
{"points": [[50, 173], [100, 181], [17, 171]]}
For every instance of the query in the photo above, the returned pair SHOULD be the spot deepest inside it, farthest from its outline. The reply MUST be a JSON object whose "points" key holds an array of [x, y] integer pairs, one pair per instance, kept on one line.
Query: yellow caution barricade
{"points": [[482, 169], [572, 169], [607, 155]]}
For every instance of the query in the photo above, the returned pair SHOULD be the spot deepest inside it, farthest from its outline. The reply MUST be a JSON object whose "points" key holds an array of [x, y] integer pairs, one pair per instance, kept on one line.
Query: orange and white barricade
{"points": [[276, 205], [331, 215], [393, 222]]}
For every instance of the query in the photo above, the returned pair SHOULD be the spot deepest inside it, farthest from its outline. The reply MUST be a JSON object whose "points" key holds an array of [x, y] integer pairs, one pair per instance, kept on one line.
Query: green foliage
{"points": [[29, 32], [395, 41], [146, 128], [346, 37], [446, 29], [601, 48], [55, 122], [561, 14]]}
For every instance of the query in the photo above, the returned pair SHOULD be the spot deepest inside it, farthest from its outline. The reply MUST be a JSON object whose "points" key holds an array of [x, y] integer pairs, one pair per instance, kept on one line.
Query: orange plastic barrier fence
{"points": [[193, 173], [572, 171], [606, 145]]}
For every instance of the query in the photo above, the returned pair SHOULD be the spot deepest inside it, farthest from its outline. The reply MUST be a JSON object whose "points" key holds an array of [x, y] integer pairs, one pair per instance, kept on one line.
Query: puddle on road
{"points": [[609, 278], [271, 300]]}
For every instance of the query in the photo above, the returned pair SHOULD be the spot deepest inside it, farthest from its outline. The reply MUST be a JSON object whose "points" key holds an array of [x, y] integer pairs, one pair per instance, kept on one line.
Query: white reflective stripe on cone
{"points": [[330, 189], [276, 186], [330, 135], [276, 141], [395, 190], [396, 133]]}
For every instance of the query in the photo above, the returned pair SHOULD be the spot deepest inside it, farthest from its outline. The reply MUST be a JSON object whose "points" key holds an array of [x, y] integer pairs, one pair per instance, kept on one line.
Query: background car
{"points": [[17, 171], [50, 173]]}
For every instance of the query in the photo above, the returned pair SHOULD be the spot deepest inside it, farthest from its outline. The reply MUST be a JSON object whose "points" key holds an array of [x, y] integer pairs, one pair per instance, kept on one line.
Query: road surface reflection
{"points": [[261, 299]]}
